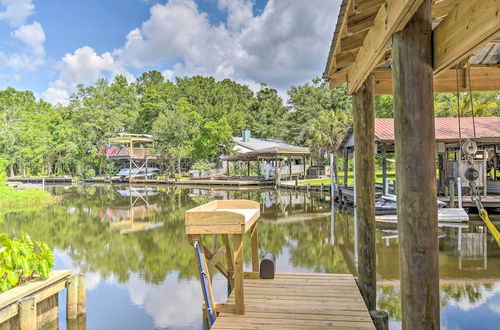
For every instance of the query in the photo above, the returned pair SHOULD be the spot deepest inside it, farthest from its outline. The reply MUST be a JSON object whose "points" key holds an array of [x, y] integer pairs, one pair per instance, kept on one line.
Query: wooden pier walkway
{"points": [[299, 301]]}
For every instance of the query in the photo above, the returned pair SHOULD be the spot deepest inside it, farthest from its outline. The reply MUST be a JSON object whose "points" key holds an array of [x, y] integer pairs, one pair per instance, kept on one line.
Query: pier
{"points": [[302, 301]]}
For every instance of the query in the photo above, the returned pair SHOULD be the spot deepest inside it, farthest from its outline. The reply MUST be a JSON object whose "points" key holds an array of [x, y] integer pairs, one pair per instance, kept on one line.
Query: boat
{"points": [[137, 173], [387, 205]]}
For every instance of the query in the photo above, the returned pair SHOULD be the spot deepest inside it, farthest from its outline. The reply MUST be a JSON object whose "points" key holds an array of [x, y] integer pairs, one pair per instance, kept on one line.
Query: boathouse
{"points": [[267, 159], [411, 49], [449, 135], [135, 155]]}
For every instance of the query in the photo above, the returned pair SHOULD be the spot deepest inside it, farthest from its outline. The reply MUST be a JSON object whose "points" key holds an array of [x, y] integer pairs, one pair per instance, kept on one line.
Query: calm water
{"points": [[141, 271]]}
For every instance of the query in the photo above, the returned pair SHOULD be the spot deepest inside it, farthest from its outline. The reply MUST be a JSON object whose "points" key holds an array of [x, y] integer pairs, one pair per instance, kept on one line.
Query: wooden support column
{"points": [[416, 177], [364, 154], [385, 187], [346, 166], [27, 313], [72, 298]]}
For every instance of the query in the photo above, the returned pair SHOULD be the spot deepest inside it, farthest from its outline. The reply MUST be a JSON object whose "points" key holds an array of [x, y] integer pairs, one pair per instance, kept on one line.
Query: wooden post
{"points": [[254, 237], [364, 145], [229, 261], [495, 162], [238, 274], [380, 319], [346, 166], [72, 298], [451, 189], [412, 75], [27, 313], [81, 303], [385, 187]]}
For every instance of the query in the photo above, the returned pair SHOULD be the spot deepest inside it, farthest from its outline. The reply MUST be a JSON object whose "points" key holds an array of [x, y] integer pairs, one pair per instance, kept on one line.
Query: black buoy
{"points": [[268, 265]]}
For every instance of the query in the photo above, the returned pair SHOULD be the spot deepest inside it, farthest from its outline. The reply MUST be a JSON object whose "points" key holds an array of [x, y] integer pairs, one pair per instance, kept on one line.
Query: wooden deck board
{"points": [[300, 301]]}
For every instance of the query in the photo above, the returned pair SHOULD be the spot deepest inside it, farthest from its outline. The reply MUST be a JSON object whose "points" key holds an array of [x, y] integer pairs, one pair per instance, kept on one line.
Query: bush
{"points": [[90, 173], [203, 165], [21, 260]]}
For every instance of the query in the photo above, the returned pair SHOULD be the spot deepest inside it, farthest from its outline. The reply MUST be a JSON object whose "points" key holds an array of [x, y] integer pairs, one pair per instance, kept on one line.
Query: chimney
{"points": [[246, 135]]}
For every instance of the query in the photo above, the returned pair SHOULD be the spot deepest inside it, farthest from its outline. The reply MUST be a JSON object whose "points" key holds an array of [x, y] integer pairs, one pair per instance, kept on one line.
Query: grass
{"points": [[350, 179], [9, 197]]}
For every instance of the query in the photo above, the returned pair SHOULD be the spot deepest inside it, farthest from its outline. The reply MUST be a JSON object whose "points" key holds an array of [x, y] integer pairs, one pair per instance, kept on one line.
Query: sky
{"points": [[51, 46]]}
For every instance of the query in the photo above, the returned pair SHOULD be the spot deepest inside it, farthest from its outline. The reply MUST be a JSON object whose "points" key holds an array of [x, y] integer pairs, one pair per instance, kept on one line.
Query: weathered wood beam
{"points": [[469, 25], [442, 8], [483, 79], [362, 5], [337, 79], [344, 59], [391, 17], [352, 42], [362, 21], [363, 102], [416, 180], [345, 9]]}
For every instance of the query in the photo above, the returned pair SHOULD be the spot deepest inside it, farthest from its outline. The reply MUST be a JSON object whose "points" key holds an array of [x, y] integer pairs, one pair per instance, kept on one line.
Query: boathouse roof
{"points": [[465, 38], [276, 151], [447, 130], [243, 145]]}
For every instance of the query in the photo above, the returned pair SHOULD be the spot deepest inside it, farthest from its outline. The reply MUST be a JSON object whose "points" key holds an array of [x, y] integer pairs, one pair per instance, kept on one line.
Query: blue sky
{"points": [[50, 46]]}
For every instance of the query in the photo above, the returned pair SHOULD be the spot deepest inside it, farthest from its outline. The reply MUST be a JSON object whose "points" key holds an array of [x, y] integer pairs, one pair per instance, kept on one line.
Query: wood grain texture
{"points": [[416, 177], [364, 135], [286, 304]]}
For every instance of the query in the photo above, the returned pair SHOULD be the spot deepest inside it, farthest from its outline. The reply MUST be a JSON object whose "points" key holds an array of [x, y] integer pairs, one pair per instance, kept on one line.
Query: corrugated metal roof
{"points": [[447, 128], [256, 144], [271, 152]]}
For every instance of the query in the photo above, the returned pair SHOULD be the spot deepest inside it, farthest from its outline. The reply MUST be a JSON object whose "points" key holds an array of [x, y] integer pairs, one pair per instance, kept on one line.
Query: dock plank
{"points": [[300, 301]]}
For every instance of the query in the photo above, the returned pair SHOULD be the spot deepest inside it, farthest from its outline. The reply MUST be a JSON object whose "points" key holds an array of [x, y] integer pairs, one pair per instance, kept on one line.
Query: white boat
{"points": [[136, 173]]}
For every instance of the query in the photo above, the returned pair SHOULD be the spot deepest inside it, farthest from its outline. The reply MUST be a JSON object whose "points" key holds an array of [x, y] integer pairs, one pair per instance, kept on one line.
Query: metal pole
{"points": [[459, 190], [332, 176]]}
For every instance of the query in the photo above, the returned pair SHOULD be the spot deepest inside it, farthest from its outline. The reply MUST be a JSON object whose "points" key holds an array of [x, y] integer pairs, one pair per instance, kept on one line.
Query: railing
{"points": [[136, 152]]}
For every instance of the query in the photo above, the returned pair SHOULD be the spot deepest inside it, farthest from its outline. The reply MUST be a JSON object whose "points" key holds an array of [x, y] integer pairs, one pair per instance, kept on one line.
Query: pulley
{"points": [[471, 174], [469, 147]]}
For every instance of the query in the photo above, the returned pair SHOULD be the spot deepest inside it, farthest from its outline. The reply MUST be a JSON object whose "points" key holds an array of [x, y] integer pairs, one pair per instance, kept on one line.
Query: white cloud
{"points": [[240, 13], [56, 95], [24, 62], [32, 35], [16, 11], [286, 44], [83, 66]]}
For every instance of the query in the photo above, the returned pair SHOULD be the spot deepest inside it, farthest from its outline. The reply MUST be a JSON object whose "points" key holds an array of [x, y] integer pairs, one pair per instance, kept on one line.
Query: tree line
{"points": [[193, 118]]}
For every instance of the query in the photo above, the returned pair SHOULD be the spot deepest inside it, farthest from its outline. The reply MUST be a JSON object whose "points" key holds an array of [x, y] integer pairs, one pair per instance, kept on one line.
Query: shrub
{"points": [[21, 260], [202, 165]]}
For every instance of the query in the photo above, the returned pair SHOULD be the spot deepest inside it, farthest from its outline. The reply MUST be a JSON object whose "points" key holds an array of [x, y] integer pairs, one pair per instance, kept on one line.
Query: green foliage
{"points": [[319, 117], [203, 165], [21, 260], [194, 119]]}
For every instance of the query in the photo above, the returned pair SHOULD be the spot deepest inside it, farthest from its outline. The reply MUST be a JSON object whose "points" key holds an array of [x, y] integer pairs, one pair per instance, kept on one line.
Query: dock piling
{"points": [[27, 313]]}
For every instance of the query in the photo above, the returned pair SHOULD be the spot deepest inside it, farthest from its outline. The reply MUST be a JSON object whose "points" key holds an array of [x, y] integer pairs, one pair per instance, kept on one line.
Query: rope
{"points": [[458, 109], [491, 227], [471, 102]]}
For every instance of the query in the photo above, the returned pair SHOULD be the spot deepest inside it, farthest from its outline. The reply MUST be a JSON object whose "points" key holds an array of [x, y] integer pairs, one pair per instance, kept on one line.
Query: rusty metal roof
{"points": [[446, 128]]}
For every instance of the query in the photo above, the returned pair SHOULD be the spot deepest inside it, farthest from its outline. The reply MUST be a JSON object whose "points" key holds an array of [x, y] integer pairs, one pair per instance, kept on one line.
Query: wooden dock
{"points": [[51, 180], [192, 183], [299, 301], [444, 215]]}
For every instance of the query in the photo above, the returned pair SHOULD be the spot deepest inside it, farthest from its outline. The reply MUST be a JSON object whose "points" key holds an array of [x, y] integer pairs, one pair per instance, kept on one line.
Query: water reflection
{"points": [[130, 243]]}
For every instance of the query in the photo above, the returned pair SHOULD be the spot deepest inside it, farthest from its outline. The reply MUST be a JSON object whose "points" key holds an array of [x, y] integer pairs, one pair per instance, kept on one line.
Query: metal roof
{"points": [[256, 144], [447, 129], [275, 151]]}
